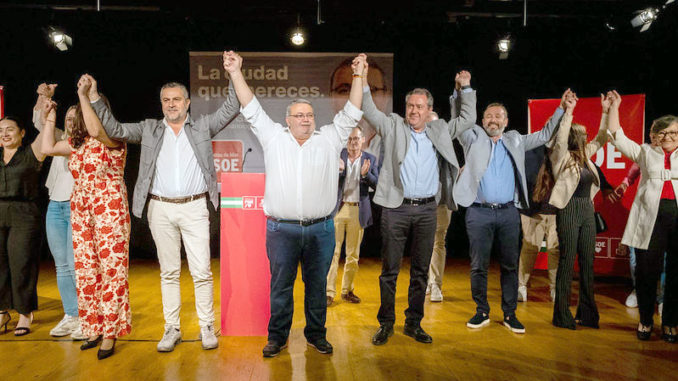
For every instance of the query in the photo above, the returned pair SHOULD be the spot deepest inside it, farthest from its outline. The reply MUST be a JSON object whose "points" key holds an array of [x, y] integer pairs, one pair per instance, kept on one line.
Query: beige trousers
{"points": [[437, 267], [345, 222], [536, 229]]}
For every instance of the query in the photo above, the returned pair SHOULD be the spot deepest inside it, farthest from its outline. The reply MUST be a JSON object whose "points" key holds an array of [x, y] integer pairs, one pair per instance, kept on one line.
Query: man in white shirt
{"points": [[301, 186], [176, 171]]}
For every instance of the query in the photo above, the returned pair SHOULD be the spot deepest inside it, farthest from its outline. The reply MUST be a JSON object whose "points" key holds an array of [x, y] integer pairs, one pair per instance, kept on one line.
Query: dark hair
{"points": [[79, 132], [14, 119], [545, 180], [663, 123]]}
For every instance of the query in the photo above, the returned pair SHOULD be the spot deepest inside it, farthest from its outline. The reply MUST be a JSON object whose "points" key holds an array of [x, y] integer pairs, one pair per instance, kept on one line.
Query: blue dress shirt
{"points": [[419, 170], [498, 184]]}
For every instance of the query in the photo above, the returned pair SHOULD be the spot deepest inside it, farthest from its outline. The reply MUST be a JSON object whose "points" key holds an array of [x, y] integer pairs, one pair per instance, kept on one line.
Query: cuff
{"points": [[559, 112], [352, 111], [366, 89], [251, 109]]}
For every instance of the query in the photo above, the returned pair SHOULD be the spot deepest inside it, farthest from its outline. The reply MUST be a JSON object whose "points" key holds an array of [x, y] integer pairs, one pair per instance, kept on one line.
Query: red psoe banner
{"points": [[613, 164], [245, 271]]}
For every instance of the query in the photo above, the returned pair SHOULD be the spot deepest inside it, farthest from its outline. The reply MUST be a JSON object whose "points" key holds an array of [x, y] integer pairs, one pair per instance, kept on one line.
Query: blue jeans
{"points": [[286, 246], [58, 227], [662, 279]]}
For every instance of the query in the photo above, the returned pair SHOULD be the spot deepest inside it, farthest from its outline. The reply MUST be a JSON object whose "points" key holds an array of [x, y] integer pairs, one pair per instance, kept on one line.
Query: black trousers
{"points": [[577, 237], [397, 224], [19, 256], [649, 265], [485, 227]]}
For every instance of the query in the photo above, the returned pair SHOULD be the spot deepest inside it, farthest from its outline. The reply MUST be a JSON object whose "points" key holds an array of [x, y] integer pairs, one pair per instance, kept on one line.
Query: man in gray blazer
{"points": [[419, 168], [492, 185], [176, 172]]}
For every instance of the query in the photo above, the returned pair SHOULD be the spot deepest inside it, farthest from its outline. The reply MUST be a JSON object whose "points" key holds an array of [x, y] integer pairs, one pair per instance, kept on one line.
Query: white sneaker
{"points": [[631, 300], [77, 334], [66, 326], [522, 294], [428, 289], [553, 295], [436, 293], [169, 340], [660, 308], [209, 340]]}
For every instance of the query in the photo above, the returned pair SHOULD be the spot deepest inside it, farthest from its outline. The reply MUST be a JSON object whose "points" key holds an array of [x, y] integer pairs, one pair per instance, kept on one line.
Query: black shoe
{"points": [[644, 335], [90, 344], [668, 336], [382, 335], [106, 353], [417, 333], [478, 320], [273, 349], [511, 322], [321, 345]]}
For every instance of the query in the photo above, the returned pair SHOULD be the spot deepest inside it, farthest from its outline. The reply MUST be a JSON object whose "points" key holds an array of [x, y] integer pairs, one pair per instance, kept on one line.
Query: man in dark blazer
{"points": [[358, 172], [419, 168], [493, 187]]}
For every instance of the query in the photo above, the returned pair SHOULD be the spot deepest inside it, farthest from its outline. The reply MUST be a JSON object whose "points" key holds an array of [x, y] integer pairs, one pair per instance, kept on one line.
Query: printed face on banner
{"points": [[276, 79]]}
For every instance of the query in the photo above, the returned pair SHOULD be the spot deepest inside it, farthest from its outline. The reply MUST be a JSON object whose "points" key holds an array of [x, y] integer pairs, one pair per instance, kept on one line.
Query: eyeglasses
{"points": [[670, 134], [302, 116]]}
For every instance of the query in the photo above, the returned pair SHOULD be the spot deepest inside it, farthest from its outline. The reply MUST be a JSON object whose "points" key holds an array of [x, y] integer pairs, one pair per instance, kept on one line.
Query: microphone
{"points": [[244, 157]]}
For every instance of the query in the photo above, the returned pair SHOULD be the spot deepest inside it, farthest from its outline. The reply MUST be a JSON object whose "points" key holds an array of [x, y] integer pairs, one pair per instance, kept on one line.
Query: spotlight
{"points": [[503, 46], [298, 38], [61, 40], [645, 18]]}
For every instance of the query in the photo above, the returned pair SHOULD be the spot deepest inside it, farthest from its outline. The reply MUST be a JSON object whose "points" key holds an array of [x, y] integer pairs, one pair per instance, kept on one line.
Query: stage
{"points": [[457, 353]]}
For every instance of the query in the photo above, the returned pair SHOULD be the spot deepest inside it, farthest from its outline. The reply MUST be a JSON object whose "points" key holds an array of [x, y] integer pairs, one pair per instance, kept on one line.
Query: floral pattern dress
{"points": [[101, 231]]}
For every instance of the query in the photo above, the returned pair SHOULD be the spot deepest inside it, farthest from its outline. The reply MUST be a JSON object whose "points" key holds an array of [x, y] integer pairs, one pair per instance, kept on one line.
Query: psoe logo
{"points": [[600, 245], [252, 202]]}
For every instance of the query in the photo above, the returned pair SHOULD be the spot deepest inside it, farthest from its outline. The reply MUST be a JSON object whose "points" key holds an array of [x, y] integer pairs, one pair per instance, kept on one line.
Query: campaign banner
{"points": [[244, 268], [613, 164], [2, 103], [276, 79]]}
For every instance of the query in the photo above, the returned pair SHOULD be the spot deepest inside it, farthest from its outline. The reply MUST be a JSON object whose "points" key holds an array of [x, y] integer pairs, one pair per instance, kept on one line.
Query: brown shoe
{"points": [[350, 297], [330, 300]]}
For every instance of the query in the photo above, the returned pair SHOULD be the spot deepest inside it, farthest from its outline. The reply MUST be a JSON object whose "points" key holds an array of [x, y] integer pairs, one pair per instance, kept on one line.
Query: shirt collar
{"points": [[187, 121]]}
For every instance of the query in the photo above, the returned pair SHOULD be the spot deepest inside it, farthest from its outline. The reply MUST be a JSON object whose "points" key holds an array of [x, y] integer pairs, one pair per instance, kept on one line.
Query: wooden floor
{"points": [[457, 353]]}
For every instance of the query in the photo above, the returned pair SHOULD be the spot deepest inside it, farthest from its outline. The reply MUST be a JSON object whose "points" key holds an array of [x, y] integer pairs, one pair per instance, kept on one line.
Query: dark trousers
{"points": [[486, 226], [397, 224], [286, 246], [649, 267], [576, 236], [19, 256]]}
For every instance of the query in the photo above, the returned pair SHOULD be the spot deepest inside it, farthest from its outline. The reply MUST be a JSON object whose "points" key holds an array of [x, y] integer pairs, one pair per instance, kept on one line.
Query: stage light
{"points": [[645, 18], [61, 40], [298, 38], [503, 46]]}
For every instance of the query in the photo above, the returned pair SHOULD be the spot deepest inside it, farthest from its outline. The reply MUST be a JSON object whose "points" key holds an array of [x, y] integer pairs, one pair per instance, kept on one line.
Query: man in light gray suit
{"points": [[176, 172], [419, 168], [492, 185]]}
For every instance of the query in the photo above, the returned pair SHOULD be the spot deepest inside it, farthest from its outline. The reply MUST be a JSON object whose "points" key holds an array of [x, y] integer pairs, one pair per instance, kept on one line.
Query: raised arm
{"points": [[48, 144], [233, 65], [601, 137], [381, 123], [534, 140], [465, 117], [626, 146], [126, 132], [560, 151], [92, 122], [348, 117]]}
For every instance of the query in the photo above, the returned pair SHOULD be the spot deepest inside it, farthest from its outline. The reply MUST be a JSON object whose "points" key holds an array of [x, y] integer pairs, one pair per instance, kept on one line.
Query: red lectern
{"points": [[245, 272]]}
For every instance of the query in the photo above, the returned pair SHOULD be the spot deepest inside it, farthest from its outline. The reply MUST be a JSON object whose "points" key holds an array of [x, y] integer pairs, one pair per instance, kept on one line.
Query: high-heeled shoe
{"points": [[91, 344], [5, 317], [644, 335], [105, 353], [22, 331], [669, 337]]}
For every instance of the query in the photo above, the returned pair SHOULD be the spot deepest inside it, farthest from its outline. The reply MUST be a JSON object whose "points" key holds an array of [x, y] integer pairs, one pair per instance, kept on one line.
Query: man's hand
{"points": [[84, 86], [46, 90], [618, 193], [463, 78], [622, 251], [365, 168], [615, 97], [93, 90], [48, 112], [564, 98], [232, 62], [358, 64], [366, 68], [570, 102], [605, 102]]}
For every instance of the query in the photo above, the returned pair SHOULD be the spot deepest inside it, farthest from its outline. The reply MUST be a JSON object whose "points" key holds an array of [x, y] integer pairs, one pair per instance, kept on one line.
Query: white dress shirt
{"points": [[301, 180], [177, 172], [352, 181]]}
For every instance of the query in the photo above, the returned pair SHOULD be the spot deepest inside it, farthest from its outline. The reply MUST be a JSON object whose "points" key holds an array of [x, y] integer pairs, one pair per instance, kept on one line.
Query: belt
{"points": [[307, 222], [418, 201], [492, 205], [350, 203], [178, 200]]}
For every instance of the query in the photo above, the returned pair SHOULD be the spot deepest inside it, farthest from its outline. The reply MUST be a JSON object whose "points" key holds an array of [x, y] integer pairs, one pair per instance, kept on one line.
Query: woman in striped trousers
{"points": [[576, 182]]}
